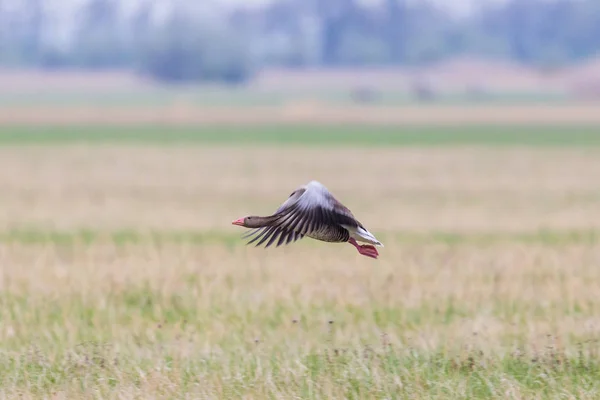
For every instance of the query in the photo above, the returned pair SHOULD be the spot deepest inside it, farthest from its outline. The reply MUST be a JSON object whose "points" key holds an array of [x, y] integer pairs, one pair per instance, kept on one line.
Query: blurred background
{"points": [[301, 54]]}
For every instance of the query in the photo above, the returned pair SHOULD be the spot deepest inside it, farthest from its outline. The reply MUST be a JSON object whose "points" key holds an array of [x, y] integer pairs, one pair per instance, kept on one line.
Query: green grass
{"points": [[193, 319], [309, 135], [357, 373], [152, 340], [121, 237], [132, 236]]}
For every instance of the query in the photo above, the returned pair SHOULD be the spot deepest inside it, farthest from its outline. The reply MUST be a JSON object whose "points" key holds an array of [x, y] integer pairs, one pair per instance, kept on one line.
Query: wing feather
{"points": [[307, 210]]}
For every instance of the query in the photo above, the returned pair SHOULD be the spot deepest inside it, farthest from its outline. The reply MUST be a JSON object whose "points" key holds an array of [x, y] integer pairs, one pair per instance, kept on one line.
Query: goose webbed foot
{"points": [[365, 249]]}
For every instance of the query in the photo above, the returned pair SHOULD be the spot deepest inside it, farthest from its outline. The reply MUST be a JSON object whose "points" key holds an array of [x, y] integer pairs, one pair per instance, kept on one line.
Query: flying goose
{"points": [[310, 211]]}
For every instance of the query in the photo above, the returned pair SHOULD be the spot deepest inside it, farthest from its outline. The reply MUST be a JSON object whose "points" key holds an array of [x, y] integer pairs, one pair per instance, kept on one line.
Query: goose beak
{"points": [[239, 221]]}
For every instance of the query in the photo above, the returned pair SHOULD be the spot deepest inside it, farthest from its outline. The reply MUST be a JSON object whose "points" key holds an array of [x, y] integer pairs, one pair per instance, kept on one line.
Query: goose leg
{"points": [[365, 249]]}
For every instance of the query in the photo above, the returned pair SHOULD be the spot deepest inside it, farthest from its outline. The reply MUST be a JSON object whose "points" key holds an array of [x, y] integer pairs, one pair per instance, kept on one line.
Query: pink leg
{"points": [[365, 249]]}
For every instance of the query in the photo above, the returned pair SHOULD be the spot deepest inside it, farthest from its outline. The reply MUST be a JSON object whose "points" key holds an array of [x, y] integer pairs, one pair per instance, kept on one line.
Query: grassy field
{"points": [[309, 135], [122, 277]]}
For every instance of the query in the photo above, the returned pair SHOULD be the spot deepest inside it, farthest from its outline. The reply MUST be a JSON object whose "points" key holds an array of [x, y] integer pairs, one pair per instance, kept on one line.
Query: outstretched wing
{"points": [[268, 232], [307, 211]]}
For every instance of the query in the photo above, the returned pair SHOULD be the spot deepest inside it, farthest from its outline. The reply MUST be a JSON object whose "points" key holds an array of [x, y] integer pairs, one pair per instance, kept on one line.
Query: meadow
{"points": [[122, 276]]}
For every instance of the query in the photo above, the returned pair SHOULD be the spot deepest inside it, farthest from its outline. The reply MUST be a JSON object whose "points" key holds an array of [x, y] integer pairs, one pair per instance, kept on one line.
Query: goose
{"points": [[311, 210]]}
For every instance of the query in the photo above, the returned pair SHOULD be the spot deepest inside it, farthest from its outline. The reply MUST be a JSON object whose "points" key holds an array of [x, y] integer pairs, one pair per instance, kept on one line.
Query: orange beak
{"points": [[239, 221]]}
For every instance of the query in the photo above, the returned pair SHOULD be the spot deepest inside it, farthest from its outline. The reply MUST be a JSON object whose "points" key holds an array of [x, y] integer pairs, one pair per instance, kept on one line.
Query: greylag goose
{"points": [[310, 211]]}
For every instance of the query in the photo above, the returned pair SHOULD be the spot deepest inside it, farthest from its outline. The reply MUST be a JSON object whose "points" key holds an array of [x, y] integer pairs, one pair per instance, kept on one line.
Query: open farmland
{"points": [[122, 277]]}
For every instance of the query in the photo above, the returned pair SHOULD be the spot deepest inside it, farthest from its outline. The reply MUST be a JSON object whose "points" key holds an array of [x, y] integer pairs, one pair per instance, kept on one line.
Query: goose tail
{"points": [[363, 235]]}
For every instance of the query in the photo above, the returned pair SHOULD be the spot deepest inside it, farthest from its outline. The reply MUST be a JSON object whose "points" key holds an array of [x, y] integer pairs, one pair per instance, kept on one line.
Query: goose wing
{"points": [[308, 209]]}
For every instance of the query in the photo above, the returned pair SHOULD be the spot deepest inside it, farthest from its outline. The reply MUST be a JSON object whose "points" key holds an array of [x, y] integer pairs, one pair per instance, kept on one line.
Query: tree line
{"points": [[190, 43]]}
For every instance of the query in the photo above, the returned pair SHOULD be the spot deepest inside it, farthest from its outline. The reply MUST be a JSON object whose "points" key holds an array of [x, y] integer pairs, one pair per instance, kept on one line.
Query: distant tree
{"points": [[295, 33], [282, 23], [21, 32], [359, 49], [580, 36], [336, 20], [33, 29], [4, 33], [98, 40], [139, 30], [397, 29], [184, 49], [53, 58]]}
